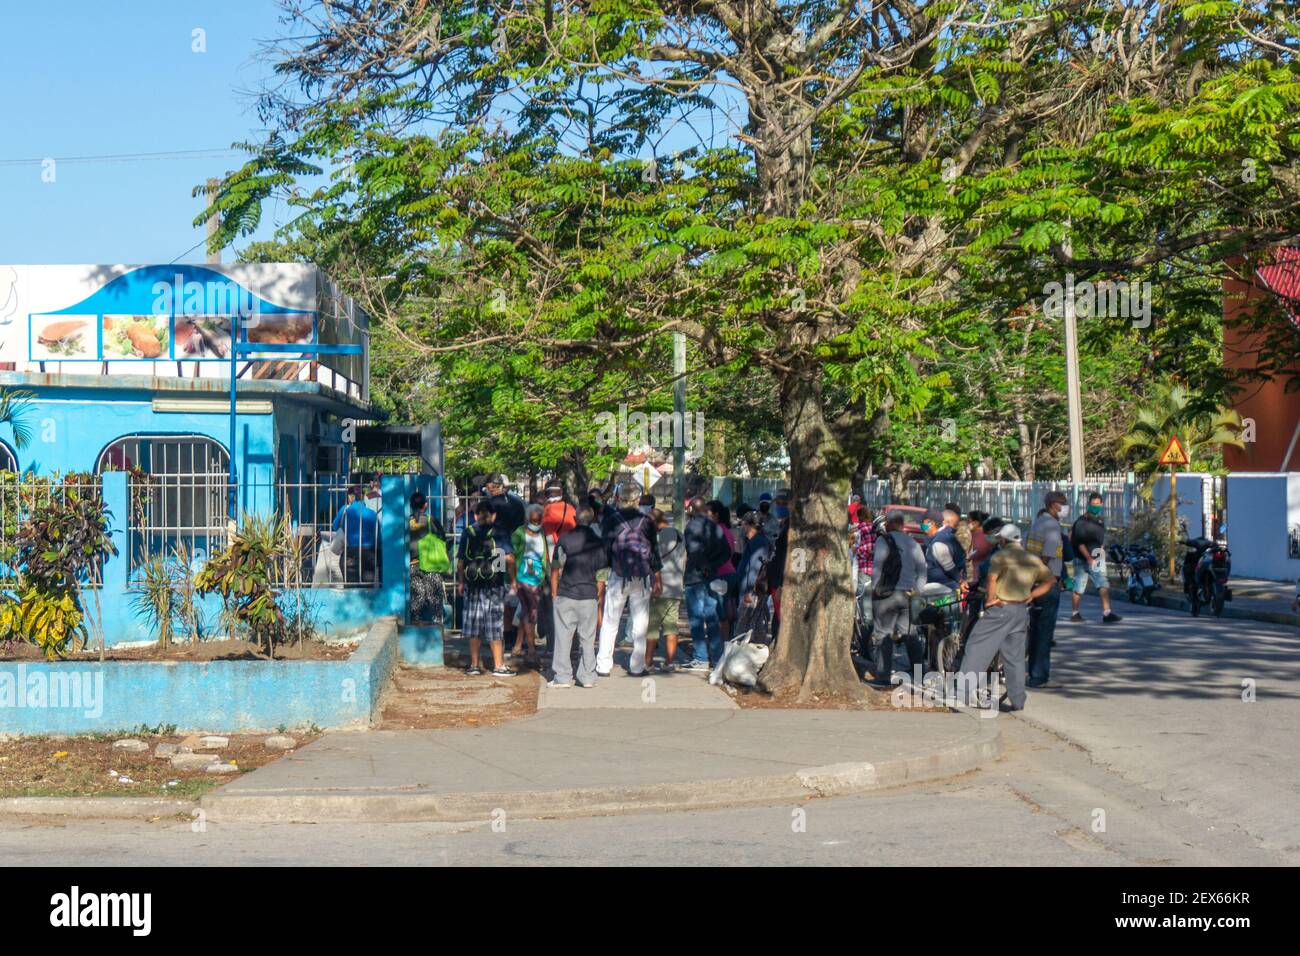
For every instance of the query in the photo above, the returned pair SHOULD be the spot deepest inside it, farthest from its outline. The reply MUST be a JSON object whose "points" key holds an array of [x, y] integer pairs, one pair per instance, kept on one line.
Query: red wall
{"points": [[1275, 411]]}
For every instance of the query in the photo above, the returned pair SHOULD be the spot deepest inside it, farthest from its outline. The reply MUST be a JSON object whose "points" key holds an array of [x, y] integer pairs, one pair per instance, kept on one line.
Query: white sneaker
{"points": [[554, 683]]}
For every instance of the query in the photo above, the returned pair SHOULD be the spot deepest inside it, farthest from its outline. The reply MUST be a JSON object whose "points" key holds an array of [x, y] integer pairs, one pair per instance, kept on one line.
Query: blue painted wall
{"points": [[89, 697], [72, 424]]}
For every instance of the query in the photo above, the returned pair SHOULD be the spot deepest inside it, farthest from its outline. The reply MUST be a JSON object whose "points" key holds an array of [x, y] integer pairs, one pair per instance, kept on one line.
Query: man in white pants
{"points": [[633, 543]]}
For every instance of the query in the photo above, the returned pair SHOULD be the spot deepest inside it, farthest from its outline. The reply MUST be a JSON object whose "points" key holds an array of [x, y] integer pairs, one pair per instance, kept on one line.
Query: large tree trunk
{"points": [[811, 655]]}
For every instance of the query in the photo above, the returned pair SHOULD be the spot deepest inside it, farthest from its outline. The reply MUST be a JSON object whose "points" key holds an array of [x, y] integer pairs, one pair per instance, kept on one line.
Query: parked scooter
{"points": [[1206, 569], [1138, 567]]}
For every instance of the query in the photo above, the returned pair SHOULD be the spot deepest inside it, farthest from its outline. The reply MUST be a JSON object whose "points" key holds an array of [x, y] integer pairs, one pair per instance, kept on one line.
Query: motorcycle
{"points": [[1137, 564], [1206, 568]]}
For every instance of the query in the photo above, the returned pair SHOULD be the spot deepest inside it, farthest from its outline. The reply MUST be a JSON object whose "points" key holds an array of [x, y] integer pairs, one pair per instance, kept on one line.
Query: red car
{"points": [[913, 523]]}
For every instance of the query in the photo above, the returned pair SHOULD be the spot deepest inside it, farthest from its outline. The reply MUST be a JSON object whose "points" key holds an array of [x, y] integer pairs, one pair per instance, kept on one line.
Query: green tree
{"points": [[816, 192], [1172, 410]]}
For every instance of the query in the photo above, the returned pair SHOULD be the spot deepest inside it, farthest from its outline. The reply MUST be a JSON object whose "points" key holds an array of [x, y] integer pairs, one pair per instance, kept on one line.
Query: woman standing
{"points": [[427, 588], [727, 599], [532, 563]]}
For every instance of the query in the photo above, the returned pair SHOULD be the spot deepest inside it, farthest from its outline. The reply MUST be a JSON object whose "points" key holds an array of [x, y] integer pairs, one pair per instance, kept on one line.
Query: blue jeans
{"points": [[1042, 628], [702, 612]]}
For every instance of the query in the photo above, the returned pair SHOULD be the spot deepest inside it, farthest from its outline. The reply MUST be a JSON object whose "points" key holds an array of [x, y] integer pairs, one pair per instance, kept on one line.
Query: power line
{"points": [[125, 157]]}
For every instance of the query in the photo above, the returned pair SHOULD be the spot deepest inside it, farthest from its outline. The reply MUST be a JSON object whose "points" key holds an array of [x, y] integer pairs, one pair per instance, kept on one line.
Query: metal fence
{"points": [[332, 539], [1020, 501]]}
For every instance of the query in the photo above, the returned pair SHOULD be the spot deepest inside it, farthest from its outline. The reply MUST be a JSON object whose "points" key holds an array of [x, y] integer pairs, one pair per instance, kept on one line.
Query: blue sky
{"points": [[81, 78]]}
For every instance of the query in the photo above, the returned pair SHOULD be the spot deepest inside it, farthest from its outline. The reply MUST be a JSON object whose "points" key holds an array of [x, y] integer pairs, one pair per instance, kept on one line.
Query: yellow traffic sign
{"points": [[1174, 453]]}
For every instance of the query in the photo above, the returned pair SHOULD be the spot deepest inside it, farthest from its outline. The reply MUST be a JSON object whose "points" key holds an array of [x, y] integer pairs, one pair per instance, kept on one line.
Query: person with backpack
{"points": [[899, 569], [427, 547], [558, 516], [706, 552], [531, 551], [666, 606], [483, 567], [634, 578]]}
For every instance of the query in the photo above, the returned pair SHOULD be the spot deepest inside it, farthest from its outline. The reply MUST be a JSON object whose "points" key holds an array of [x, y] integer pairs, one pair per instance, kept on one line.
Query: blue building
{"points": [[128, 374]]}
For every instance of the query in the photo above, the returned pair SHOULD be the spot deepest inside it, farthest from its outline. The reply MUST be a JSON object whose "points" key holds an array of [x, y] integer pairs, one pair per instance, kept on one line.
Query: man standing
{"points": [[579, 554], [1046, 543], [706, 552], [898, 566], [1088, 548], [1016, 577], [509, 509], [665, 607], [634, 578], [482, 582], [359, 526], [945, 558]]}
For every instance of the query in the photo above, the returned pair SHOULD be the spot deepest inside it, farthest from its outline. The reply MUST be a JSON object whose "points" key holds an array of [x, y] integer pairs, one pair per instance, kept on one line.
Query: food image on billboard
{"points": [[201, 337], [142, 337], [279, 329], [64, 338]]}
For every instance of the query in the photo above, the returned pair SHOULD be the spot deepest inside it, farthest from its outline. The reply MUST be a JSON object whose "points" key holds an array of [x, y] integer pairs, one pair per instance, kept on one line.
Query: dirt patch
{"points": [[872, 698], [435, 698], [91, 766], [225, 650]]}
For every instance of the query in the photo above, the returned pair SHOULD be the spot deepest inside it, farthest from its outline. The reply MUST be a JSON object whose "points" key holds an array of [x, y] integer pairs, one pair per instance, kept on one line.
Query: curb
{"points": [[841, 779], [1170, 603], [95, 808]]}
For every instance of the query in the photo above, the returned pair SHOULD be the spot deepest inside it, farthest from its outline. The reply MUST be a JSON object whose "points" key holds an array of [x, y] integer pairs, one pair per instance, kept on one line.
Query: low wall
{"points": [[421, 646], [81, 697]]}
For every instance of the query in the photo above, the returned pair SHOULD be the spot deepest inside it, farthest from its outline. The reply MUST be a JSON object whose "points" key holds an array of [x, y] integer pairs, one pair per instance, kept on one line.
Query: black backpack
{"points": [[888, 573], [482, 563]]}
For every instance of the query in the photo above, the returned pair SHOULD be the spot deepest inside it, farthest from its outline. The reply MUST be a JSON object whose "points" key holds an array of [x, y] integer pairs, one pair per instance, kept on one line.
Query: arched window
{"points": [[8, 460], [178, 491]]}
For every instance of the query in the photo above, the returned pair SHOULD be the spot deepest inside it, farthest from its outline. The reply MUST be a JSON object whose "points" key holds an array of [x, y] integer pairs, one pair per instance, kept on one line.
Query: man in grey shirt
{"points": [[1046, 542], [892, 614]]}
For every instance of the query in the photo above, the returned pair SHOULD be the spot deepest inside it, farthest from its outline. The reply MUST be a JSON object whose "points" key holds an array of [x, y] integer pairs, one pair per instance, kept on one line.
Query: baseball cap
{"points": [[1008, 533], [765, 496]]}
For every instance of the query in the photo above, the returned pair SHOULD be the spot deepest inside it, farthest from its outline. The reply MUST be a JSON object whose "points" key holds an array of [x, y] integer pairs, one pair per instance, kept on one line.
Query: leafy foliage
{"points": [[62, 534], [244, 574], [853, 202]]}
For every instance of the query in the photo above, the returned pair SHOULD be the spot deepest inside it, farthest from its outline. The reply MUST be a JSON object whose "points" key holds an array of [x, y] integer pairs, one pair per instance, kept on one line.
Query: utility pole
{"points": [[1074, 401], [679, 433]]}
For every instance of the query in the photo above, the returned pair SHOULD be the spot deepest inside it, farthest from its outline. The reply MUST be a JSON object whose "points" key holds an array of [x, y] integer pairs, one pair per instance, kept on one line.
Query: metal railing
{"points": [[331, 540], [1020, 501]]}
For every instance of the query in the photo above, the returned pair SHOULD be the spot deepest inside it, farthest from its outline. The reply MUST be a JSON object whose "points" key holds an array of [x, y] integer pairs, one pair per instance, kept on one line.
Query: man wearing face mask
{"points": [[1046, 542], [1088, 548]]}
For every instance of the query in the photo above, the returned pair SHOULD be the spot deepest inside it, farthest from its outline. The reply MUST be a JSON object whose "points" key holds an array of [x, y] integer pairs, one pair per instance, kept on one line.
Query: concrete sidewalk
{"points": [[680, 690], [588, 762]]}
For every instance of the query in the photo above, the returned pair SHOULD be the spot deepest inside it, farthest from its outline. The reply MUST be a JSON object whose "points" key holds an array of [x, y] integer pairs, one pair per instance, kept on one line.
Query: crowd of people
{"points": [[547, 581], [586, 576], [1011, 590]]}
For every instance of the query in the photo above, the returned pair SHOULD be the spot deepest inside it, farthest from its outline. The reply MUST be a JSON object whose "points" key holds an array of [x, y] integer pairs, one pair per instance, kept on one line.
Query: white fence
{"points": [[1020, 501]]}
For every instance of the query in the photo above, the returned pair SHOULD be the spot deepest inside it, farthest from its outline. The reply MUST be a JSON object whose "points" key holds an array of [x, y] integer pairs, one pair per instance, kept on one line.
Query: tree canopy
{"points": [[837, 197]]}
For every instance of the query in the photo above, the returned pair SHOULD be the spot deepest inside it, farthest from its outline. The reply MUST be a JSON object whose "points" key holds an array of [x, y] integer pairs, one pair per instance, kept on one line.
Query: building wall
{"points": [[1263, 509], [1275, 411]]}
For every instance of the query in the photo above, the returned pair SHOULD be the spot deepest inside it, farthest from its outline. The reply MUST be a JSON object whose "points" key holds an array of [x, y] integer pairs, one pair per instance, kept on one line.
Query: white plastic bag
{"points": [[741, 662]]}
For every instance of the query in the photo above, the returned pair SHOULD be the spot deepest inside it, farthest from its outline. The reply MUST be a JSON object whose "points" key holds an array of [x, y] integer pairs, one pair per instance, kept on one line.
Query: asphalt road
{"points": [[1145, 754]]}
